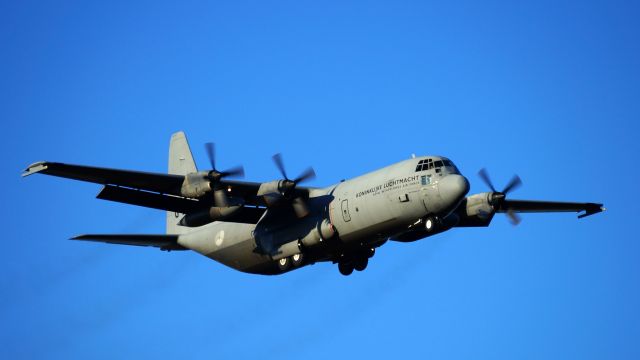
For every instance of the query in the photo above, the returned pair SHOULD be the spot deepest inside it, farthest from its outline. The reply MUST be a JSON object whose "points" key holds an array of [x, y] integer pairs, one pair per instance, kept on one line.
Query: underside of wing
{"points": [[160, 191], [164, 242], [530, 206], [150, 199]]}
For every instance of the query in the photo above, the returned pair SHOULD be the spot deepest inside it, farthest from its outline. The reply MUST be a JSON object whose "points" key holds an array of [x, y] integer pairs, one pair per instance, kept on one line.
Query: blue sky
{"points": [[545, 89]]}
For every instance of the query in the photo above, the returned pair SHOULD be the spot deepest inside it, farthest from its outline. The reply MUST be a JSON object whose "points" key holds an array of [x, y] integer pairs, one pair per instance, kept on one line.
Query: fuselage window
{"points": [[438, 163]]}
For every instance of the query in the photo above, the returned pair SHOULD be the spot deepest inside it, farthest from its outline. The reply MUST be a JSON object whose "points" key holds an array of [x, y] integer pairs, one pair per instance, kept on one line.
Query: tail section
{"points": [[180, 163]]}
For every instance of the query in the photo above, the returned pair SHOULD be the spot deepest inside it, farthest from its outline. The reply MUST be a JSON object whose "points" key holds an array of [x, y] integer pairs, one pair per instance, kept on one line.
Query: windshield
{"points": [[428, 164]]}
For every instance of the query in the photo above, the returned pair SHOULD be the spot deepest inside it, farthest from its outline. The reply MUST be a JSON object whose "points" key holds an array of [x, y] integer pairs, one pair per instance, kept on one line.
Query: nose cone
{"points": [[453, 188]]}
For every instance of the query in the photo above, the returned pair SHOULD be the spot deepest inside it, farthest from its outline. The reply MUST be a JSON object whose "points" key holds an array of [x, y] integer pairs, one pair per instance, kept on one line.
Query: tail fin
{"points": [[180, 163]]}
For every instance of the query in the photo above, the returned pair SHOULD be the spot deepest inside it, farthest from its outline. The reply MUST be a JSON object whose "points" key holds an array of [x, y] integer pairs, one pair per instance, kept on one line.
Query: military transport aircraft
{"points": [[277, 226]]}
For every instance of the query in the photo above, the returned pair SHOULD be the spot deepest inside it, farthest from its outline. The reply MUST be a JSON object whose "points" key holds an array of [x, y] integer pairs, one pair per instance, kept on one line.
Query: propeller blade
{"points": [[211, 153], [513, 217], [513, 184], [308, 174], [237, 171], [220, 198], [300, 207], [277, 159], [485, 177]]}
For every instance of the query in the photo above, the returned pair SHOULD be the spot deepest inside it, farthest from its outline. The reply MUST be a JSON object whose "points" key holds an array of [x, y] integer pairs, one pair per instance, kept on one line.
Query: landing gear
{"points": [[361, 263], [355, 261], [345, 268]]}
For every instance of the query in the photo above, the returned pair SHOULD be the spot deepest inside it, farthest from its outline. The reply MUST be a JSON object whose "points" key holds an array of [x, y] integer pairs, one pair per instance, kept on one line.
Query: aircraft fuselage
{"points": [[362, 212]]}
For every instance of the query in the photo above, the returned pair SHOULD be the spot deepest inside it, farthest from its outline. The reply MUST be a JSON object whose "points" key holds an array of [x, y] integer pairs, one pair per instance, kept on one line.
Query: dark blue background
{"points": [[545, 89]]}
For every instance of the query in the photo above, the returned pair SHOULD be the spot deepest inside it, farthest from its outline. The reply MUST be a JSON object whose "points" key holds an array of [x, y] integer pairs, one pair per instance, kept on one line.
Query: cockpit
{"points": [[438, 165], [434, 169]]}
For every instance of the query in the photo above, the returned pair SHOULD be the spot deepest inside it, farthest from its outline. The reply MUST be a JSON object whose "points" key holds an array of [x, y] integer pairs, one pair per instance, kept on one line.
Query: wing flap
{"points": [[164, 242]]}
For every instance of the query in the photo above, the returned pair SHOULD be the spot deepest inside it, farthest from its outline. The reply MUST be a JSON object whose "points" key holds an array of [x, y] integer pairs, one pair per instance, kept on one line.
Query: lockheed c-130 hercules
{"points": [[277, 226]]}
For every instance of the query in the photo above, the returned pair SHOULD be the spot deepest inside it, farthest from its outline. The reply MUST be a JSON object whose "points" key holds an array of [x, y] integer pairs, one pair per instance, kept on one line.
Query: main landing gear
{"points": [[356, 262]]}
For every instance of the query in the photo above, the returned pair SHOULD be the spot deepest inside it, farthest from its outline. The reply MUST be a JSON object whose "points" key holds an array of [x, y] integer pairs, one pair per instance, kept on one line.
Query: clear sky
{"points": [[545, 89]]}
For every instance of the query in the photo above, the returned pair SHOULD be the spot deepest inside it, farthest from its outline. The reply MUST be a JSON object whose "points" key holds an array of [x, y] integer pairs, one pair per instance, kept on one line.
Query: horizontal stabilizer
{"points": [[164, 242]]}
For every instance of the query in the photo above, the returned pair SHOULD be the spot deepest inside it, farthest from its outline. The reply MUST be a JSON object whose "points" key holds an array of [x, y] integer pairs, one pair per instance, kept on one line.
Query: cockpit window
{"points": [[425, 164], [428, 164]]}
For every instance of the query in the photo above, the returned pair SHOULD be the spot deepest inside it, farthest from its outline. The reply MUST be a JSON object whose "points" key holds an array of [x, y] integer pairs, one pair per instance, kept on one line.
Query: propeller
{"points": [[220, 195], [237, 171], [307, 174], [498, 197], [299, 205]]}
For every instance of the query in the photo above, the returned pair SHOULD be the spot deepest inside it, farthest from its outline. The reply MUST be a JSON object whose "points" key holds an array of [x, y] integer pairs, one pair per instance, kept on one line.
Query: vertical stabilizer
{"points": [[180, 163]]}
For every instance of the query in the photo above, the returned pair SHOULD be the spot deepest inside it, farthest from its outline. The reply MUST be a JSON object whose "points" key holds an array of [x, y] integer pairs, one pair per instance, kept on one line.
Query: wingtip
{"points": [[34, 168], [592, 209]]}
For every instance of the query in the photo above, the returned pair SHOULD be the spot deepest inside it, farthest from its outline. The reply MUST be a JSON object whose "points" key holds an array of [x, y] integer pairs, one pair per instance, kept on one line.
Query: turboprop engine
{"points": [[278, 191], [196, 185]]}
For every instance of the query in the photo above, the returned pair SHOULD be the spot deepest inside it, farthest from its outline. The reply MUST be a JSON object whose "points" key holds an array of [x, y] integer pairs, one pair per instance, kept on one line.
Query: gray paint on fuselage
{"points": [[380, 204]]}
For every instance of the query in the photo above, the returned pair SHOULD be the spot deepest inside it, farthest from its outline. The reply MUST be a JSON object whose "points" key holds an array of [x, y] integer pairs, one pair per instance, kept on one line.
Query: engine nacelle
{"points": [[275, 191], [209, 215], [196, 185], [476, 210]]}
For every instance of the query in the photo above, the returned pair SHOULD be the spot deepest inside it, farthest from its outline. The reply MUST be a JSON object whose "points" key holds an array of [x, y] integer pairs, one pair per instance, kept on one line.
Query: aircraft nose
{"points": [[453, 187]]}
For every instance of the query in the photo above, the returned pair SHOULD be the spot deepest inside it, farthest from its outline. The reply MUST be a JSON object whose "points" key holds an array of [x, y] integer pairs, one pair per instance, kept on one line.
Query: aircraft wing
{"points": [[160, 183], [529, 206], [164, 242], [154, 190]]}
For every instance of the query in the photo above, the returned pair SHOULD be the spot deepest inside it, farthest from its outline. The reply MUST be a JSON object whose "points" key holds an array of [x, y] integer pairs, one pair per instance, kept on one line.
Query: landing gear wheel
{"points": [[361, 264], [345, 268], [297, 260], [371, 252], [430, 224], [284, 264]]}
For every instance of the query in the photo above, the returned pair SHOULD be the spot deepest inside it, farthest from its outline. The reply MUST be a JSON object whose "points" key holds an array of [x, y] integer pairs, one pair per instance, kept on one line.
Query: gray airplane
{"points": [[277, 226]]}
